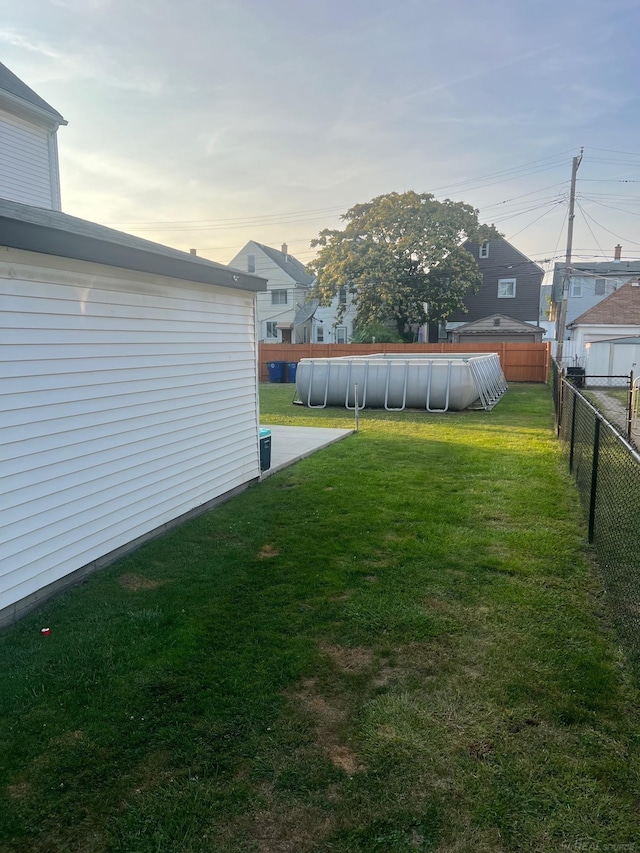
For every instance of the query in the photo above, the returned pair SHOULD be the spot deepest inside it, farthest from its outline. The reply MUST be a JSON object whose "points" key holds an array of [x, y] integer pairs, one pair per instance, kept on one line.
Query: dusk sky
{"points": [[204, 124]]}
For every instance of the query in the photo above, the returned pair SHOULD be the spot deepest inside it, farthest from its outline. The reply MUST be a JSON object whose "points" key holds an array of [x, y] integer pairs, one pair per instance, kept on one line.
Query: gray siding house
{"points": [[510, 286], [589, 284]]}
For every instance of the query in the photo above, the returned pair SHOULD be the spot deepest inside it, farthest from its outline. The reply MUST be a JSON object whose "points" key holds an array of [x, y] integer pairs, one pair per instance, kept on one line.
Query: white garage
{"points": [[128, 374]]}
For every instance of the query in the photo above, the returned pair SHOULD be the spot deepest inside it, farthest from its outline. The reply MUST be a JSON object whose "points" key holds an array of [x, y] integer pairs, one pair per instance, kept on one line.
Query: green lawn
{"points": [[395, 645]]}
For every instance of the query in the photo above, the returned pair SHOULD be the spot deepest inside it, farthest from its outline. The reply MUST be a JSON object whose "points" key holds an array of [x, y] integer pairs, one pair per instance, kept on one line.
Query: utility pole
{"points": [[562, 314]]}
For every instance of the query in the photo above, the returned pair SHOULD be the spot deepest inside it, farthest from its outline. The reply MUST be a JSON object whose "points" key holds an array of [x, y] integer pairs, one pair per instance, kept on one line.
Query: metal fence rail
{"points": [[607, 472]]}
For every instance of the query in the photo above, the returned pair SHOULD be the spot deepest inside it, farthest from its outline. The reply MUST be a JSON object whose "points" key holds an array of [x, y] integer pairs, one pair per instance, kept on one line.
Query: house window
{"points": [[576, 287], [251, 263], [272, 329], [506, 288], [341, 334], [601, 286], [320, 335], [278, 297], [342, 296], [484, 249]]}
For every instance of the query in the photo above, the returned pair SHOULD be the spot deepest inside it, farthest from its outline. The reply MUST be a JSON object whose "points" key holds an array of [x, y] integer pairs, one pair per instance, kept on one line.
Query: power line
{"points": [[534, 221], [580, 208], [261, 217], [617, 236], [522, 170], [612, 151], [524, 195], [610, 207]]}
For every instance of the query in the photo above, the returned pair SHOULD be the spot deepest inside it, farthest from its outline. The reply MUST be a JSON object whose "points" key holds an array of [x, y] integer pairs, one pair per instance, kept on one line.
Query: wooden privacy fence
{"points": [[520, 362]]}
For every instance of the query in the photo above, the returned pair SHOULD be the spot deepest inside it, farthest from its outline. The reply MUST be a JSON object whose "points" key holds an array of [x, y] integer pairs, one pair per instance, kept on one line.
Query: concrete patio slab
{"points": [[289, 444]]}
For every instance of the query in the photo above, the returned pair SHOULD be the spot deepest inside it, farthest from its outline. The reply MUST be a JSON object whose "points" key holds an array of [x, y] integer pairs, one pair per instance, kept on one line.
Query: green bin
{"points": [[265, 448]]}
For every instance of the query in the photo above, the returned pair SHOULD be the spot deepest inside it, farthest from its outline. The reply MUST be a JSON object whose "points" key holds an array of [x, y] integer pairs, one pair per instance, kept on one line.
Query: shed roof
{"points": [[14, 86], [504, 324], [50, 232], [620, 308]]}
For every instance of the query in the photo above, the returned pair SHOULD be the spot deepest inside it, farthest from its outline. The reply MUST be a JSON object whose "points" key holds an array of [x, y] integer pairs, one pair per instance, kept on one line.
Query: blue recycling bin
{"points": [[265, 448], [292, 367], [277, 370]]}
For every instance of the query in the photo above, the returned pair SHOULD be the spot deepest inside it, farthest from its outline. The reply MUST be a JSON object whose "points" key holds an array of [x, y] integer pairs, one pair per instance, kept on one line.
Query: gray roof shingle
{"points": [[292, 266], [620, 308], [37, 229], [14, 86]]}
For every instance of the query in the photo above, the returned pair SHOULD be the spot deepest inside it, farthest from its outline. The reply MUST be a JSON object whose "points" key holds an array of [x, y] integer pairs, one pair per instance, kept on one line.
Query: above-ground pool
{"points": [[395, 381]]}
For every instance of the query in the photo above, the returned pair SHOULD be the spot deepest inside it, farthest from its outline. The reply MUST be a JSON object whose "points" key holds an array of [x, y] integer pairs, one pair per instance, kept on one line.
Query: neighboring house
{"points": [[281, 313], [497, 329], [615, 316], [510, 286], [589, 283], [287, 313], [128, 373], [29, 171], [327, 327]]}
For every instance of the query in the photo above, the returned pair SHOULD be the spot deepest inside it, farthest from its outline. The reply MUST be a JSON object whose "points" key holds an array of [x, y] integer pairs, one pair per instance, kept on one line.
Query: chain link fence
{"points": [[607, 472]]}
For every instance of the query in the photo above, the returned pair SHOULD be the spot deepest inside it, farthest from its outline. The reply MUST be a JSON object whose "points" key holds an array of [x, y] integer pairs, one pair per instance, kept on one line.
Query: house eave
{"points": [[62, 236], [12, 103]]}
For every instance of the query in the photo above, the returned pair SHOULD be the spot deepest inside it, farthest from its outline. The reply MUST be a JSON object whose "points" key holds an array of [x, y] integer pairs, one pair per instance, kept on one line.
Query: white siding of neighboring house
{"points": [[128, 400], [277, 280], [28, 163], [326, 318]]}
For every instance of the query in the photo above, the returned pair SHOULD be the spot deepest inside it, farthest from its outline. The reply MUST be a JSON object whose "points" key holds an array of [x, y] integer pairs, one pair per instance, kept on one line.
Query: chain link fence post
{"points": [[594, 479]]}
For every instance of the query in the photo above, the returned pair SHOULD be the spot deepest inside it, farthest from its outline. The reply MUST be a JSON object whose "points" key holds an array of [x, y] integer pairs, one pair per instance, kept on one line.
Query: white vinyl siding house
{"points": [[288, 285], [129, 401], [29, 171], [28, 157]]}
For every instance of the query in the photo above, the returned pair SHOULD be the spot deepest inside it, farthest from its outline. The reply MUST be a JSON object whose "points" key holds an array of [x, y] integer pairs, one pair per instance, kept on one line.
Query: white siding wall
{"points": [[609, 359], [27, 173], [127, 401], [328, 315]]}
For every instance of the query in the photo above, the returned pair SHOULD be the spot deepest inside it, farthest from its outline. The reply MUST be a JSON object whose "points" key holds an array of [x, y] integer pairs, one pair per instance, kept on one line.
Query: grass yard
{"points": [[395, 645]]}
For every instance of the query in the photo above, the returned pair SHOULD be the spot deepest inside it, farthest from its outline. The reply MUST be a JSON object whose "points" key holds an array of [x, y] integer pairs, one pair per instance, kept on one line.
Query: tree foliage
{"points": [[375, 332], [396, 253]]}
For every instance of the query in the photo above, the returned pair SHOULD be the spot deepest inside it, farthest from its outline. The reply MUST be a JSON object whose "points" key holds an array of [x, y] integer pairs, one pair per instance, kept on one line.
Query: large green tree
{"points": [[399, 251]]}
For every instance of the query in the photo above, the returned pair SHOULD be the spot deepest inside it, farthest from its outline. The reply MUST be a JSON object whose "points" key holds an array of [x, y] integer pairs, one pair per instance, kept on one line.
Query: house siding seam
{"points": [[126, 403], [27, 174]]}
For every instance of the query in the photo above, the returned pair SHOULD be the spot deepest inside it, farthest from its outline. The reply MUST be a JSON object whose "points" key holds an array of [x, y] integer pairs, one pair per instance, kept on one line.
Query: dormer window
{"points": [[484, 249]]}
